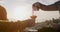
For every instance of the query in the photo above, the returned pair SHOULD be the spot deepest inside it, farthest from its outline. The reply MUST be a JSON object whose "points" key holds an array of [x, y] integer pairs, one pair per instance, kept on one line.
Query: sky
{"points": [[22, 9]]}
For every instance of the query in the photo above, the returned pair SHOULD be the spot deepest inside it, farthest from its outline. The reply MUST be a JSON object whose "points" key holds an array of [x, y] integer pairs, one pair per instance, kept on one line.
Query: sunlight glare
{"points": [[21, 13]]}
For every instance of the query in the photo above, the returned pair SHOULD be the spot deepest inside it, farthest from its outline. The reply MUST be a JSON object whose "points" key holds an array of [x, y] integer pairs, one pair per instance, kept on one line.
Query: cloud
{"points": [[48, 2], [45, 2]]}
